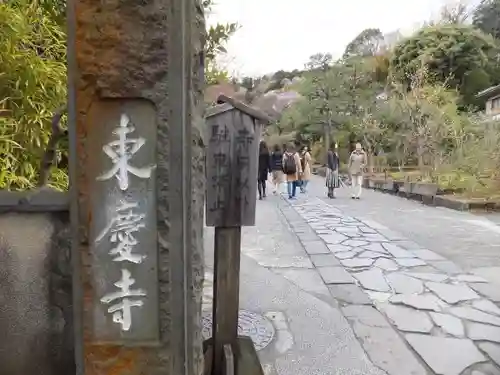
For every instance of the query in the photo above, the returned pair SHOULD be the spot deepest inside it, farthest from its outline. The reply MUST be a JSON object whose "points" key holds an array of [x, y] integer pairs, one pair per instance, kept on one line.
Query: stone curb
{"points": [[428, 195]]}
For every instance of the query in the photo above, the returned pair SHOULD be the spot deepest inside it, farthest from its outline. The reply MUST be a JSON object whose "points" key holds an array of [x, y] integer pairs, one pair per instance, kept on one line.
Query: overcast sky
{"points": [[282, 34]]}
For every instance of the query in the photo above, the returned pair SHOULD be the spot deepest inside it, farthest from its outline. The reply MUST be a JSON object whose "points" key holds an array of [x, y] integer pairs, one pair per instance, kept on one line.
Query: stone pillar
{"points": [[124, 69]]}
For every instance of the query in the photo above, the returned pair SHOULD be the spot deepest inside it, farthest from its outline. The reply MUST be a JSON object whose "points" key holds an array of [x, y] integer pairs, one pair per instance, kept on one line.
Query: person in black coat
{"points": [[264, 169]]}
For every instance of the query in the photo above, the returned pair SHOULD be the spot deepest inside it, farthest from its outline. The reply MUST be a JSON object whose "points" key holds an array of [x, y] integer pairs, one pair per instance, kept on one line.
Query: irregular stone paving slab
{"points": [[333, 239], [368, 230], [350, 294], [408, 245], [446, 266], [407, 319], [375, 238], [355, 263], [322, 260], [338, 248], [379, 297], [397, 251], [492, 350], [483, 332], [486, 306], [419, 301], [376, 247], [428, 276], [383, 345], [386, 264], [427, 255], [470, 279], [490, 291], [315, 247], [373, 280], [410, 262], [335, 275], [346, 255], [354, 243], [449, 324], [325, 231], [458, 355], [403, 284], [475, 315], [348, 231], [372, 255], [452, 293]]}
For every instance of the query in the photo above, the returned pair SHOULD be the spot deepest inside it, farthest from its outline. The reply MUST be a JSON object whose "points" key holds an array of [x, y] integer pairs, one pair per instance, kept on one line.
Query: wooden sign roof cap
{"points": [[226, 103]]}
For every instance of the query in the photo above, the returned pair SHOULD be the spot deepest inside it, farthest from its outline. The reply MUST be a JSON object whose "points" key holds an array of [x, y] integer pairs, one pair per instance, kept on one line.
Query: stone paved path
{"points": [[441, 312], [311, 335]]}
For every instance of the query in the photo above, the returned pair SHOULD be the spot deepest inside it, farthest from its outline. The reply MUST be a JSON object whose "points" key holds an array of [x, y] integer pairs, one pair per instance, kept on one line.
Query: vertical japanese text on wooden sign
{"points": [[231, 169], [123, 238]]}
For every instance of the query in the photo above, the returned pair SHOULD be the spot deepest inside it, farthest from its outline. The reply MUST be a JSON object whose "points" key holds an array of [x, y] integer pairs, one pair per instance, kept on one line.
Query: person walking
{"points": [[306, 161], [332, 171], [277, 168], [292, 170], [264, 169], [357, 162]]}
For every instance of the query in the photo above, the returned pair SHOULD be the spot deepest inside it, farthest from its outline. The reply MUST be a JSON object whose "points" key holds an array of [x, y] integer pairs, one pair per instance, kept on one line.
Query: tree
{"points": [[454, 13], [486, 17], [319, 61], [451, 52], [367, 43]]}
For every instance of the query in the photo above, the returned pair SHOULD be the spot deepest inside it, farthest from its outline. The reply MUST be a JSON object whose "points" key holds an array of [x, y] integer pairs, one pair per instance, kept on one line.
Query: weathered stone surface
{"points": [[427, 255], [452, 293], [376, 247], [384, 346], [407, 319], [355, 263], [492, 350], [346, 255], [379, 297], [410, 262], [475, 315], [373, 280], [470, 279], [486, 306], [335, 275], [449, 324], [338, 248], [315, 247], [459, 353], [322, 260], [404, 284], [397, 251], [367, 230], [349, 293], [483, 332], [333, 239], [446, 266], [375, 237], [306, 279], [419, 301], [372, 255], [386, 264], [354, 243], [428, 276]]}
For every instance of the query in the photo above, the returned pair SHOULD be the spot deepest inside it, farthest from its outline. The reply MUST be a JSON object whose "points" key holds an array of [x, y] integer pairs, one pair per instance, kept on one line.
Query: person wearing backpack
{"points": [[292, 170]]}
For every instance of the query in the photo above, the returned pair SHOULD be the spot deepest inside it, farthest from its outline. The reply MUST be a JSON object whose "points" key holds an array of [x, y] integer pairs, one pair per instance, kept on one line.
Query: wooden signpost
{"points": [[232, 162]]}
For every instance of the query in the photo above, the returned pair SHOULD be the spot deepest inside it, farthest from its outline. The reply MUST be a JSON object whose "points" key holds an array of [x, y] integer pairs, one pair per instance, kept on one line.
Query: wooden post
{"points": [[232, 163]]}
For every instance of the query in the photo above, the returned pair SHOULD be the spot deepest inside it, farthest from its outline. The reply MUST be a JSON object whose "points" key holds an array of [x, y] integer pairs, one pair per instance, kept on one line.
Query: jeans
{"points": [[303, 185], [292, 188]]}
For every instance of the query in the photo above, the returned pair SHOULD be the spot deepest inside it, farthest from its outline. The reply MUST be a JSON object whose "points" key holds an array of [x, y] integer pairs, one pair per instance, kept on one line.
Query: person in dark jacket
{"points": [[277, 168], [332, 171], [264, 168]]}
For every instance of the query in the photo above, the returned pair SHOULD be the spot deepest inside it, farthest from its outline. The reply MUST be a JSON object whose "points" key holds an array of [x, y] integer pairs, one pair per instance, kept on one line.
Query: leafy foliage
{"points": [[487, 17], [32, 86], [367, 43], [451, 52]]}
